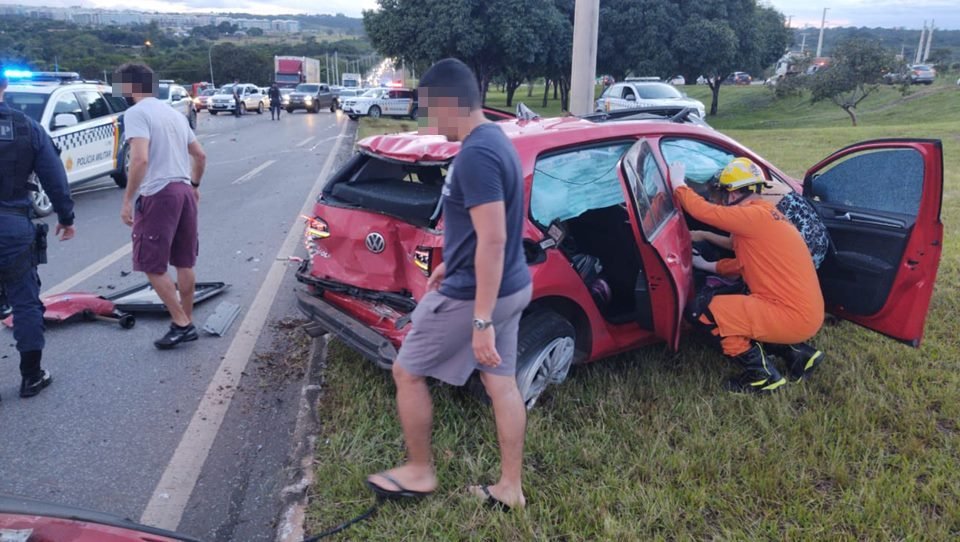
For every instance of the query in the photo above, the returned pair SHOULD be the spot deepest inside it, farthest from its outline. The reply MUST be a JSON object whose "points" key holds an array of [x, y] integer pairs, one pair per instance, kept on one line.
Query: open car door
{"points": [[662, 238], [880, 201]]}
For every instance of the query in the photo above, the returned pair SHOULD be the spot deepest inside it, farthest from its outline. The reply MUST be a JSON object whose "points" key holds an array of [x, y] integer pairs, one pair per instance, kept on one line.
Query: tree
{"points": [[856, 73], [709, 47], [255, 32]]}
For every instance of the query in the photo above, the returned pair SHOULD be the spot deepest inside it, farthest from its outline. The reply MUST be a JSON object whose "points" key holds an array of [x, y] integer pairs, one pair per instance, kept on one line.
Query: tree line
{"points": [[93, 52], [514, 41]]}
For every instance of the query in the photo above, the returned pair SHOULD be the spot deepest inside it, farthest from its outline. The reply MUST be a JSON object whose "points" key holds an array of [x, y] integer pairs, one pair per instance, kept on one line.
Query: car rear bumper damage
{"points": [[353, 332]]}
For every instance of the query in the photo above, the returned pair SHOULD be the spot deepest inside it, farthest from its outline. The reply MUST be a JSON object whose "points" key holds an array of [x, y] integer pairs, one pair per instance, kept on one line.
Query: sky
{"points": [[870, 13]]}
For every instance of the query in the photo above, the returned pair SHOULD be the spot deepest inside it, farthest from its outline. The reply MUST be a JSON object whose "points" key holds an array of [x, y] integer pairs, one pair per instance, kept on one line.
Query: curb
{"points": [[295, 496]]}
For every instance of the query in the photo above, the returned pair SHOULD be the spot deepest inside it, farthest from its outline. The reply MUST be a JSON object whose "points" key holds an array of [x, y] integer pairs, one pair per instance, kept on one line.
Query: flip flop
{"points": [[401, 493], [493, 502]]}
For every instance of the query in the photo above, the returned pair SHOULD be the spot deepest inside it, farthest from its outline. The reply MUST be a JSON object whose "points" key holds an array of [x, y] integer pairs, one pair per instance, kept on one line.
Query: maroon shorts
{"points": [[165, 230]]}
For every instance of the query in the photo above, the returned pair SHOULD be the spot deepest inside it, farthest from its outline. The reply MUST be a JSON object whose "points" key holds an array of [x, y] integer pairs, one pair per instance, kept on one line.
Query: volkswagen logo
{"points": [[375, 243]]}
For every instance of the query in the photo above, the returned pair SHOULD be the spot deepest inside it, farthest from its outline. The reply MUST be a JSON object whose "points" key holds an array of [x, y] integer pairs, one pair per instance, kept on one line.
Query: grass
{"points": [[646, 446]]}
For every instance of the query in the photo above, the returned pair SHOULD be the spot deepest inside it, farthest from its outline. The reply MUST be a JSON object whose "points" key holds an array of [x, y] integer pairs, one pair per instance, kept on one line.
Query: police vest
{"points": [[16, 155]]}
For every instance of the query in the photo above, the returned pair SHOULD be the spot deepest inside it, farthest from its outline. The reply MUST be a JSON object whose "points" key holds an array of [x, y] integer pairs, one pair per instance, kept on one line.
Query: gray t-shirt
{"points": [[487, 169], [169, 135]]}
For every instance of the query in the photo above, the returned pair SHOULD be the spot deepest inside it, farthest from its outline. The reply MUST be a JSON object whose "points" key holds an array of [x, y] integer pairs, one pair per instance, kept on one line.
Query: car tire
{"points": [[212, 112], [260, 108], [123, 167], [374, 112], [243, 108], [192, 120], [316, 109], [290, 110], [42, 206], [545, 353], [353, 117], [414, 113], [333, 107]]}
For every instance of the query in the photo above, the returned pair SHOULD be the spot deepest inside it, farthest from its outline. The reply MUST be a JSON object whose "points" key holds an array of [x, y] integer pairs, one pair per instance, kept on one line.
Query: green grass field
{"points": [[646, 445]]}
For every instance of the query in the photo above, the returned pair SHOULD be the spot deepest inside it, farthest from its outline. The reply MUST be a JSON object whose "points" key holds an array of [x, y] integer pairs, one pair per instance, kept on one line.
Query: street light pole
{"points": [[210, 61], [585, 32], [823, 24]]}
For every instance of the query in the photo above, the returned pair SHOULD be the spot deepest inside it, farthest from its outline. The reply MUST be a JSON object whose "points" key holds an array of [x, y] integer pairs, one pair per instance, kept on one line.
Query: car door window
{"points": [[649, 188], [628, 93], [886, 180], [703, 160], [117, 103], [94, 103], [67, 104], [568, 184]]}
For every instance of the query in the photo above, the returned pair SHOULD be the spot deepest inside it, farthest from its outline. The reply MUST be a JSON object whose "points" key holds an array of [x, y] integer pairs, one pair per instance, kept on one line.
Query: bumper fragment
{"points": [[358, 336]]}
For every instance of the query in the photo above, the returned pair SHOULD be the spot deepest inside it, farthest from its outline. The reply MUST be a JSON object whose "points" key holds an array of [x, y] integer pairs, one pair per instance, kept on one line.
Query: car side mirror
{"points": [[64, 120]]}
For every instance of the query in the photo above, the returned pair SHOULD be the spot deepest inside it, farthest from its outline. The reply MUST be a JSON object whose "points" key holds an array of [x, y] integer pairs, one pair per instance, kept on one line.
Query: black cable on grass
{"points": [[344, 526]]}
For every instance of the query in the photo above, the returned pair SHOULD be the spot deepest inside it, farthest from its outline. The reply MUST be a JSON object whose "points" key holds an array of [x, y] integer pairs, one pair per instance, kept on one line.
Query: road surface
{"points": [[196, 438]]}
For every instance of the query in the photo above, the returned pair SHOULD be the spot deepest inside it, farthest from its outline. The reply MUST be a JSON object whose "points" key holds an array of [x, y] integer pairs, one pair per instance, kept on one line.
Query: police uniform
{"points": [[25, 148]]}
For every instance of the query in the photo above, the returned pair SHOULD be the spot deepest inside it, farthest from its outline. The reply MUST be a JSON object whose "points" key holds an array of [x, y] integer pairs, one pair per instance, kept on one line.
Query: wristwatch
{"points": [[480, 324]]}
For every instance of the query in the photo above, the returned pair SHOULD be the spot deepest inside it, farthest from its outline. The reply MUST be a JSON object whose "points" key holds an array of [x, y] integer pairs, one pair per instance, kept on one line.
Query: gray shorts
{"points": [[440, 344]]}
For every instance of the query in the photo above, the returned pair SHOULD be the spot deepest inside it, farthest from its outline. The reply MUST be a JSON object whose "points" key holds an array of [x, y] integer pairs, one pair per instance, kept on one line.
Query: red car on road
{"points": [[608, 248]]}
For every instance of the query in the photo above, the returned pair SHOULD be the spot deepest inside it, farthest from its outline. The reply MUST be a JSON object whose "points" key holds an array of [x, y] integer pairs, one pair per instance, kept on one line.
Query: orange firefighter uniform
{"points": [[785, 305]]}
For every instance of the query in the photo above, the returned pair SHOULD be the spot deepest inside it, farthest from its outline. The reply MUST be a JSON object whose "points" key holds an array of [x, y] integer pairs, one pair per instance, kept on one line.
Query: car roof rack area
{"points": [[672, 113]]}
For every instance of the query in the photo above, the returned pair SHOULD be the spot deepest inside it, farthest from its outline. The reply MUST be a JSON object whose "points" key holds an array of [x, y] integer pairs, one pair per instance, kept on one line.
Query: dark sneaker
{"points": [[32, 386], [176, 335]]}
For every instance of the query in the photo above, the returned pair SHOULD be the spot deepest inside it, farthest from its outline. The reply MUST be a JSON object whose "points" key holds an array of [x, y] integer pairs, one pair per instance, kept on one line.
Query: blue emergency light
{"points": [[17, 74]]}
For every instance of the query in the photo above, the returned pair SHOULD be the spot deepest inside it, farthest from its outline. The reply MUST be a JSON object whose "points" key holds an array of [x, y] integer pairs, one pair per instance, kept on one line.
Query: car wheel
{"points": [[212, 112], [545, 352], [192, 120], [42, 206], [120, 177], [374, 112], [260, 108], [353, 117], [414, 113], [243, 108], [290, 110], [333, 107]]}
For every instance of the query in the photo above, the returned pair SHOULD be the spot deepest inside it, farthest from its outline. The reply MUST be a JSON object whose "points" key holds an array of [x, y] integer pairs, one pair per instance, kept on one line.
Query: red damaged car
{"points": [[609, 250]]}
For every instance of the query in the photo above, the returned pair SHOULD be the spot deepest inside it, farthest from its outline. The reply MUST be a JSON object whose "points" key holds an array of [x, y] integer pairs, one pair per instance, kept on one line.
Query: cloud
{"points": [[351, 8], [872, 13]]}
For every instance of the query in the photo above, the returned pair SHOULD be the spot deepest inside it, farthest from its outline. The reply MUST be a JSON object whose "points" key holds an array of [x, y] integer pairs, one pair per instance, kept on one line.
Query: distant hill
{"points": [[892, 38], [340, 22]]}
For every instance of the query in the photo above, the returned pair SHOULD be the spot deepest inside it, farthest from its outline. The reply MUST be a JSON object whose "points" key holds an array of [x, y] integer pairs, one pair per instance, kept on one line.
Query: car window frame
{"points": [[53, 112], [81, 96]]}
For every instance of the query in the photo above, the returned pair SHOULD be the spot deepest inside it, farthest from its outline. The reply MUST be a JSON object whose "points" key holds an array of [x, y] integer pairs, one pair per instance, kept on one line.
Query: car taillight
{"points": [[317, 228], [423, 259], [916, 72]]}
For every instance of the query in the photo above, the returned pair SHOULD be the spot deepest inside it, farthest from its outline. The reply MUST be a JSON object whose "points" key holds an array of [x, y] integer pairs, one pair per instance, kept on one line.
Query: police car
{"points": [[382, 102], [645, 92], [84, 120]]}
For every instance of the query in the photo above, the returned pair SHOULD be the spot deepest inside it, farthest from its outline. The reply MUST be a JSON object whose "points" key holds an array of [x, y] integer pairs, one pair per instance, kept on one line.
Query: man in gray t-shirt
{"points": [[160, 202]]}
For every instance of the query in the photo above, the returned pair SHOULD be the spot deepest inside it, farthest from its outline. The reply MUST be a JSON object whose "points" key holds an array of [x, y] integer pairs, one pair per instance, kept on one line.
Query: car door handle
{"points": [[850, 216]]}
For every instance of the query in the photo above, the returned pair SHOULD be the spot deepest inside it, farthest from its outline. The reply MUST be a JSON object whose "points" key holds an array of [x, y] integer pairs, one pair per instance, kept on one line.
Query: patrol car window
{"points": [[117, 103], [30, 105], [568, 184], [94, 103], [400, 94], [67, 104], [628, 92], [658, 91]]}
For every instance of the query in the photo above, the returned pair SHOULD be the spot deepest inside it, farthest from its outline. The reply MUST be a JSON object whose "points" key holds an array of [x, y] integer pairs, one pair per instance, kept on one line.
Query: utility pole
{"points": [[336, 68], [926, 52], [823, 24], [586, 26], [923, 34], [803, 43], [210, 62]]}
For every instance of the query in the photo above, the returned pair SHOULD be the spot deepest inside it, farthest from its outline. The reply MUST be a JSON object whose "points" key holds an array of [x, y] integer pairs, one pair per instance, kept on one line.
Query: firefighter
{"points": [[25, 148], [784, 305]]}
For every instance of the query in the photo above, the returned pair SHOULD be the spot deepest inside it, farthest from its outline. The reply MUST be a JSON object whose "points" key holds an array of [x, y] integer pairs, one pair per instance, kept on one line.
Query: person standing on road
{"points": [[236, 98], [784, 305], [275, 102], [469, 319], [25, 148], [159, 191]]}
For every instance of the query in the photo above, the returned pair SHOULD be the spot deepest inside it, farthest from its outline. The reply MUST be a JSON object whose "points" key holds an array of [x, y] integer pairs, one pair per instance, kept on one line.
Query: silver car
{"points": [[251, 99], [178, 98], [630, 94]]}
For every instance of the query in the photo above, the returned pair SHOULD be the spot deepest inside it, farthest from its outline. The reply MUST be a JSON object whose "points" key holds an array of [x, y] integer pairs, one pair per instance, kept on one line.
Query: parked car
{"points": [[251, 99], [178, 98], [922, 74], [630, 94], [597, 191], [345, 94], [84, 120], [311, 97], [202, 101], [677, 80], [285, 97], [738, 78], [382, 102]]}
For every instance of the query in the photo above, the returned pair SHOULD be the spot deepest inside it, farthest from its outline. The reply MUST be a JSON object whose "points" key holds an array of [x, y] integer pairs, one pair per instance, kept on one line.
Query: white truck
{"points": [[351, 80], [290, 71]]}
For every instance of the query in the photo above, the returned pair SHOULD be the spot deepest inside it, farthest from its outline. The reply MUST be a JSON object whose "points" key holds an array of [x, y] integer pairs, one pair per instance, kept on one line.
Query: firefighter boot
{"points": [[759, 376], [801, 358]]}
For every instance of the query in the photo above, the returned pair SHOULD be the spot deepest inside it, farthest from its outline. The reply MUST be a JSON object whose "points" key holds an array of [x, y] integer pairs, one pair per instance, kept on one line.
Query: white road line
{"points": [[90, 270], [173, 491], [305, 141], [324, 141], [252, 173]]}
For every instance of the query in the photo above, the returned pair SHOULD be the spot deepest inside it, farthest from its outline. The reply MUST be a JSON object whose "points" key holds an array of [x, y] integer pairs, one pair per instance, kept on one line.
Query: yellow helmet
{"points": [[742, 173]]}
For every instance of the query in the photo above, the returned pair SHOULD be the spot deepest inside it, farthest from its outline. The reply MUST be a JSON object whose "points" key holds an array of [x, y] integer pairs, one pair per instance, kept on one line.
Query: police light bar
{"points": [[41, 76], [17, 74]]}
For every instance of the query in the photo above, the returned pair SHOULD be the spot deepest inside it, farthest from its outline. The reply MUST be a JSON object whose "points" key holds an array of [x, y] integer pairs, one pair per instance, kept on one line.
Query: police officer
{"points": [[26, 148]]}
